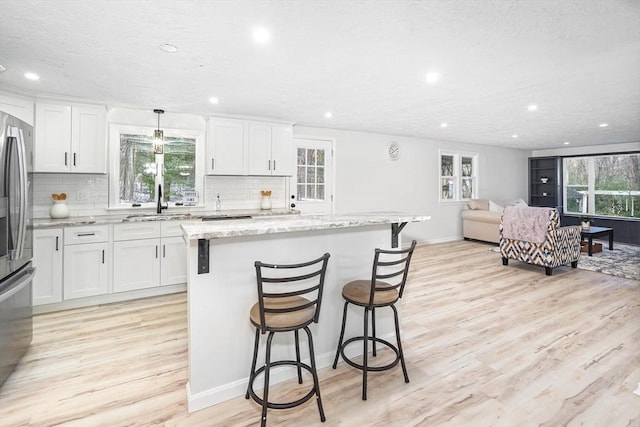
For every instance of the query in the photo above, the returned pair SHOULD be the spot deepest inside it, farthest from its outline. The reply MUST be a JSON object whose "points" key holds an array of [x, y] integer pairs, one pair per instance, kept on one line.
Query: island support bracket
{"points": [[203, 256], [395, 232]]}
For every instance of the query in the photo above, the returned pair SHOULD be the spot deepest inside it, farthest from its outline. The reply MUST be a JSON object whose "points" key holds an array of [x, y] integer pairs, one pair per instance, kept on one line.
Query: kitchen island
{"points": [[221, 289]]}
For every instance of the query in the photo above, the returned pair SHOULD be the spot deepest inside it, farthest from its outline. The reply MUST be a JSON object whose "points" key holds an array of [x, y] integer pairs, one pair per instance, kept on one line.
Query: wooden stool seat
{"points": [[359, 292], [285, 320], [388, 278], [281, 307]]}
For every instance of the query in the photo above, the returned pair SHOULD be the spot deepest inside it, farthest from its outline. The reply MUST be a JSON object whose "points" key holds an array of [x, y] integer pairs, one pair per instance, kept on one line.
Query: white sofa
{"points": [[481, 219]]}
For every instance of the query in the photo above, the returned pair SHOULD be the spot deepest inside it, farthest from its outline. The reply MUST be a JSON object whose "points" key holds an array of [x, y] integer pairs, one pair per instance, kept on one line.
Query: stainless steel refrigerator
{"points": [[16, 241]]}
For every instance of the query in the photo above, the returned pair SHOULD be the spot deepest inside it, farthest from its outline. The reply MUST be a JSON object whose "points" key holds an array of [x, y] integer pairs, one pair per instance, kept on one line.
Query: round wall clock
{"points": [[393, 150]]}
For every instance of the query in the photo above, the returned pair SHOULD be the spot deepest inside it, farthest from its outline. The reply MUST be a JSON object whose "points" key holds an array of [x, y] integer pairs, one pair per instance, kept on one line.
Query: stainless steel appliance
{"points": [[16, 241]]}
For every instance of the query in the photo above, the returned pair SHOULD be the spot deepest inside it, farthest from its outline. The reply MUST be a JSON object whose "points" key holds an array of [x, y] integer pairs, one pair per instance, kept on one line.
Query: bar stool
{"points": [[376, 293], [280, 310]]}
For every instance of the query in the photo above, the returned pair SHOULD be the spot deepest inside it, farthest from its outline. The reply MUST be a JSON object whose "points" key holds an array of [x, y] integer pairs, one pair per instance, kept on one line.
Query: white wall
{"points": [[367, 181]]}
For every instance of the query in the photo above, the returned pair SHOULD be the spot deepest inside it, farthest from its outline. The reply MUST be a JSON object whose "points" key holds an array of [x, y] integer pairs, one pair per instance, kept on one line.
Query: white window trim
{"points": [[457, 175], [114, 159]]}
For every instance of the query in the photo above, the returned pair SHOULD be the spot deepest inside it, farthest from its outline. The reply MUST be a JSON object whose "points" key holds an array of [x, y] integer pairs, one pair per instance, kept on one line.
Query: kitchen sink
{"points": [[158, 217]]}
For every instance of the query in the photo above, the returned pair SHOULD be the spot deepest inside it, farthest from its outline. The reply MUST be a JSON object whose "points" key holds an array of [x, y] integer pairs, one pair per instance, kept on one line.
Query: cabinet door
{"points": [[174, 261], [53, 138], [47, 259], [226, 146], [136, 264], [85, 270], [88, 140], [282, 150], [260, 162]]}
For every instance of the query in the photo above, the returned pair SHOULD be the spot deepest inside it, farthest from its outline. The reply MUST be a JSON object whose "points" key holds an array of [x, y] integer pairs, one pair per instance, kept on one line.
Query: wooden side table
{"points": [[592, 232]]}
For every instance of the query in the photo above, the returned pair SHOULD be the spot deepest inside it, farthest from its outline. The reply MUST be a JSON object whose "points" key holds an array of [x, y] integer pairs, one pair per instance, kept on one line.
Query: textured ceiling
{"points": [[365, 61]]}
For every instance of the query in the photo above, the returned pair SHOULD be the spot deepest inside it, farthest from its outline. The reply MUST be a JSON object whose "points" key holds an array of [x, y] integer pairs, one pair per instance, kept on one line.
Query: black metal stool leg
{"points": [[298, 356], [373, 329], [314, 372], [253, 362], [265, 394], [344, 322], [400, 352], [364, 354]]}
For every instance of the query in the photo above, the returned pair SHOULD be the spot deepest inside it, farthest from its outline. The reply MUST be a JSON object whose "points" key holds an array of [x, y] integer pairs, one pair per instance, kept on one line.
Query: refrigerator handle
{"points": [[21, 283], [16, 148]]}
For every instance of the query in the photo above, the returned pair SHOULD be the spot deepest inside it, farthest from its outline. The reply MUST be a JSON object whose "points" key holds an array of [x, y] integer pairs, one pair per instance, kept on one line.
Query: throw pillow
{"points": [[494, 207], [476, 204]]}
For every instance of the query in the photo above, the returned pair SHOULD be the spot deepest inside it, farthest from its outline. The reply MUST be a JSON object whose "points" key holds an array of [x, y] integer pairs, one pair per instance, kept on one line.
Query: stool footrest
{"points": [[370, 368], [283, 405]]}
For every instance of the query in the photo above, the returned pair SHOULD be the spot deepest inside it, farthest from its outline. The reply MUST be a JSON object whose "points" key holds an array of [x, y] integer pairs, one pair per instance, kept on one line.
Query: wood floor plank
{"points": [[485, 344]]}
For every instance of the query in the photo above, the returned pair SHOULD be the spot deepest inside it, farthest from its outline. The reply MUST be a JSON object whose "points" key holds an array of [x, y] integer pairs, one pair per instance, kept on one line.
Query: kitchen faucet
{"points": [[160, 206]]}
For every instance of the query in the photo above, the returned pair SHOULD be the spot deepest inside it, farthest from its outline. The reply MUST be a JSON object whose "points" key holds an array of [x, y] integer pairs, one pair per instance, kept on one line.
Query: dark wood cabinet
{"points": [[545, 182]]}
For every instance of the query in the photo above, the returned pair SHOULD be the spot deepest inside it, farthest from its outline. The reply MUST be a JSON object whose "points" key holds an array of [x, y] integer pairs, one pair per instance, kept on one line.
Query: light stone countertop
{"points": [[283, 224], [121, 218]]}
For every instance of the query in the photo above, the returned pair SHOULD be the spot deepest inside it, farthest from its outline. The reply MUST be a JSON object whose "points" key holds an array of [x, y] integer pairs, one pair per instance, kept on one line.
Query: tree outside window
{"points": [[603, 185], [458, 176]]}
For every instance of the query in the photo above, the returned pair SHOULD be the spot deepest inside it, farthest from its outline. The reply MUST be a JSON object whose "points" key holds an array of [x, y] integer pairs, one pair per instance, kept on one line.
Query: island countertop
{"points": [[268, 225]]}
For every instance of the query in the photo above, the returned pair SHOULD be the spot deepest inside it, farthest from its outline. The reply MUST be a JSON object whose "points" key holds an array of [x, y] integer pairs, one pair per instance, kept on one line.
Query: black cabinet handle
{"points": [[103, 256], [213, 163], [86, 234], [274, 165], [65, 158], [156, 251], [74, 159], [57, 242], [164, 251]]}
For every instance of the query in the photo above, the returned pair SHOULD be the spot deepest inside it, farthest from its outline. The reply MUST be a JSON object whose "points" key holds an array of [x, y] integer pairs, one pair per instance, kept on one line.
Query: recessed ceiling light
{"points": [[2, 69], [328, 114], [515, 135], [432, 77], [603, 125], [443, 125], [261, 35], [169, 48], [532, 107], [567, 143], [32, 76], [214, 100]]}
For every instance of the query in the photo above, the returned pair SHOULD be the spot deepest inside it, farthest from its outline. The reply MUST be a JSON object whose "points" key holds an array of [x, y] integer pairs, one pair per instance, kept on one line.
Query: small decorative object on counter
{"points": [[265, 203], [59, 208], [586, 222]]}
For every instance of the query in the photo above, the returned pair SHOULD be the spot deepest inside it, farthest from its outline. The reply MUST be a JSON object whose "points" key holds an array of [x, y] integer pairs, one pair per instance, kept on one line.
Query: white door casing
{"points": [[312, 185]]}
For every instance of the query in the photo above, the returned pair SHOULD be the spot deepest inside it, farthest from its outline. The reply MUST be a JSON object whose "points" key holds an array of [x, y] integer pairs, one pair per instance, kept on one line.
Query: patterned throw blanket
{"points": [[525, 223]]}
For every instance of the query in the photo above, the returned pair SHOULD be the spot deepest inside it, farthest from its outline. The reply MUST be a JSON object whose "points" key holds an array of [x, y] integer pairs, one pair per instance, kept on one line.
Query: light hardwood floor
{"points": [[485, 344]]}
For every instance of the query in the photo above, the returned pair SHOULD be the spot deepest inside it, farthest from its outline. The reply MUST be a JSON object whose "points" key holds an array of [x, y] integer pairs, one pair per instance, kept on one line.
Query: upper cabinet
{"points": [[70, 138], [248, 147], [270, 149], [226, 146], [18, 107]]}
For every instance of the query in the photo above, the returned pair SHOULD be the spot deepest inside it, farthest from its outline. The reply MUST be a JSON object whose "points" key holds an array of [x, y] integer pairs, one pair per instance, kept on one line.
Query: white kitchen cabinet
{"points": [[270, 149], [148, 254], [19, 107], [226, 146], [174, 261], [136, 264], [70, 138], [86, 261], [47, 259]]}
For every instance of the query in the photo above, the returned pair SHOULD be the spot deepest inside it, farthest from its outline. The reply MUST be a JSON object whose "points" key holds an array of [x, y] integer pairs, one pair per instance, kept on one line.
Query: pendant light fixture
{"points": [[158, 135]]}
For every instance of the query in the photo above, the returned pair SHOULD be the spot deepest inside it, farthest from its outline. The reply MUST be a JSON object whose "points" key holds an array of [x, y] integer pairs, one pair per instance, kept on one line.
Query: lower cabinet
{"points": [[47, 259], [86, 261], [147, 255]]}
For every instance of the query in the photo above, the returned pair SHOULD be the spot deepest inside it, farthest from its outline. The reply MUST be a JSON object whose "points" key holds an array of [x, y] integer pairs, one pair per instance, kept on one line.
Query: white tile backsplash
{"points": [[86, 194], [89, 194], [243, 192]]}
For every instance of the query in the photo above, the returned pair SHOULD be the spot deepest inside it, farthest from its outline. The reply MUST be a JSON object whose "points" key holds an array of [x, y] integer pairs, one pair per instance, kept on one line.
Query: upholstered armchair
{"points": [[533, 235]]}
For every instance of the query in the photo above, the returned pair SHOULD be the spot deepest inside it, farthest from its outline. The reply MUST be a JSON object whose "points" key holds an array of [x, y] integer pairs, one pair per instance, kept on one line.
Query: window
{"points": [[311, 174], [139, 170], [458, 176], [607, 185]]}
